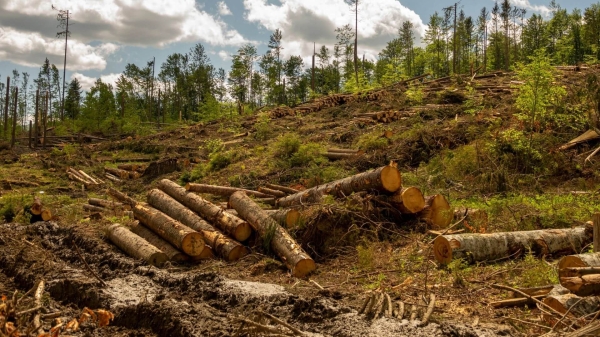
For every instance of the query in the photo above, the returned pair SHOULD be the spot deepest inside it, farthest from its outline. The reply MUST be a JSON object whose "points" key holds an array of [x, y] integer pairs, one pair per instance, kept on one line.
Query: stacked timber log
{"points": [[38, 211], [88, 180], [122, 174], [110, 207]]}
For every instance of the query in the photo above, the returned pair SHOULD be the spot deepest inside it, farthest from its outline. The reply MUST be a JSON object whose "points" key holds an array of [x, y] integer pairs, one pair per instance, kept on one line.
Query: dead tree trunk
{"points": [[223, 191], [225, 247], [437, 212], [135, 246], [173, 231], [579, 260], [92, 208], [123, 174], [108, 204], [172, 253], [237, 228], [300, 263], [562, 303], [408, 200], [499, 246], [582, 285], [272, 192], [286, 218], [386, 179]]}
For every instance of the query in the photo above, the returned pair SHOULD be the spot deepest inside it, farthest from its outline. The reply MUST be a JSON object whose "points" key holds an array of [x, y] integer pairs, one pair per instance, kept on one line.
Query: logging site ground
{"points": [[461, 137]]}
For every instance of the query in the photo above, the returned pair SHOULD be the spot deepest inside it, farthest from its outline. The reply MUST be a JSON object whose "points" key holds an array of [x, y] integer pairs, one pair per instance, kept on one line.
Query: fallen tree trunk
{"points": [[300, 263], [235, 227], [499, 246], [92, 208], [284, 189], [207, 253], [437, 212], [562, 303], [123, 174], [225, 247], [131, 167], [223, 191], [579, 260], [173, 231], [275, 193], [408, 200], [172, 253], [135, 246], [339, 155], [351, 151], [121, 197], [108, 204], [386, 179], [514, 302]]}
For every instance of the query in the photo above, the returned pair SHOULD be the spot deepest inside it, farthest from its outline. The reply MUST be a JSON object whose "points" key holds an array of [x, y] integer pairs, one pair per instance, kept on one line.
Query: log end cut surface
{"points": [[391, 179], [192, 244], [237, 253], [442, 250], [440, 214], [571, 261], [207, 253], [242, 232], [304, 267], [413, 200], [292, 218]]}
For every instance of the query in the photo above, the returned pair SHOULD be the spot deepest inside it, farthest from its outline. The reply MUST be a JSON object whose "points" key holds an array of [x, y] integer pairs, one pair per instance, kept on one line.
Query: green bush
{"points": [[307, 154], [372, 141], [287, 145], [262, 127]]}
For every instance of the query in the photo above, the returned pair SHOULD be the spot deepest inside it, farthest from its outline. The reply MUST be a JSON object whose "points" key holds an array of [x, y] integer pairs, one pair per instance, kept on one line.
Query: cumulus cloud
{"points": [[131, 22], [30, 49], [306, 21], [223, 9], [87, 82], [544, 10], [224, 55]]}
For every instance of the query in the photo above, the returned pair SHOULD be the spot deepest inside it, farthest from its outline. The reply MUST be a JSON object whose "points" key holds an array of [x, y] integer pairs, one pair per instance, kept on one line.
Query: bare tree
{"points": [[354, 3], [63, 23]]}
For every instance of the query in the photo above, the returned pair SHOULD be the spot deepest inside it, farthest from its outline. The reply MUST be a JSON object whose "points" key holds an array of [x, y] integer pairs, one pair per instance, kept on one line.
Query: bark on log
{"points": [[340, 156], [225, 247], [112, 178], [498, 246], [275, 193], [121, 197], [135, 246], [131, 167], [207, 253], [408, 200], [285, 189], [173, 231], [36, 206], [172, 253], [579, 260], [108, 204], [437, 212], [223, 191], [336, 150], [92, 208], [298, 261], [475, 218], [562, 303], [386, 179], [237, 228]]}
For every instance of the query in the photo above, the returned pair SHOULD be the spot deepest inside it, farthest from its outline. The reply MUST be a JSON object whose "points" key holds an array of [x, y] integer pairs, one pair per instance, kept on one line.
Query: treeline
{"points": [[188, 87]]}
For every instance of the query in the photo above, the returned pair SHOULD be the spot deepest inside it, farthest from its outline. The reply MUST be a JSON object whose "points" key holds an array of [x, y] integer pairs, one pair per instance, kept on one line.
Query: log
{"points": [[121, 197], [475, 218], [122, 173], [499, 246], [46, 214], [172, 253], [112, 178], [225, 247], [514, 302], [87, 177], [173, 231], [351, 151], [272, 192], [340, 156], [207, 254], [284, 189], [237, 228], [437, 212], [408, 200], [135, 246], [36, 206], [124, 160], [562, 303], [286, 218], [385, 179], [92, 208], [298, 261], [579, 260], [223, 191], [131, 167], [108, 204], [582, 285]]}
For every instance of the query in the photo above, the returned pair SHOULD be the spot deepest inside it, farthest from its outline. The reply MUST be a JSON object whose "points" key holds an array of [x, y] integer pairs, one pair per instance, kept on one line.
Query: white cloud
{"points": [[223, 9], [88, 82], [132, 22], [306, 21], [30, 49], [224, 55], [535, 8]]}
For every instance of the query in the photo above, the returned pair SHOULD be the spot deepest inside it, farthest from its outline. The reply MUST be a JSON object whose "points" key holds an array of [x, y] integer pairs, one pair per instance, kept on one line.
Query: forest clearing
{"points": [[443, 190]]}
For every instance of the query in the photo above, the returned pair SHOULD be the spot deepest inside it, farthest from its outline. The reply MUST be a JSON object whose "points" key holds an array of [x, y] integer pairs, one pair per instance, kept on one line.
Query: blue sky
{"points": [[108, 34]]}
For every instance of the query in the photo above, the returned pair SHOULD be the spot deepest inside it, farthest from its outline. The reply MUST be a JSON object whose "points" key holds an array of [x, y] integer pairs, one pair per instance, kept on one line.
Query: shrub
{"points": [[372, 141], [262, 127], [287, 145]]}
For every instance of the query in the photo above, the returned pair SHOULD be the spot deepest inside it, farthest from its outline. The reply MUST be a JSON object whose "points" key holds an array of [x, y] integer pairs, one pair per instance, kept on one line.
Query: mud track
{"points": [[174, 302]]}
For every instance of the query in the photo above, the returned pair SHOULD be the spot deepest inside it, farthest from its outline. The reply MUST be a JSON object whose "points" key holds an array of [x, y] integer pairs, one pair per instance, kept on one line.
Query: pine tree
{"points": [[73, 99]]}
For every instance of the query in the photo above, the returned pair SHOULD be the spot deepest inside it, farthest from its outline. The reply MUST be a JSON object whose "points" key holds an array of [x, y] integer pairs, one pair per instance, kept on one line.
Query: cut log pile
{"points": [[88, 180], [327, 102], [39, 212]]}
